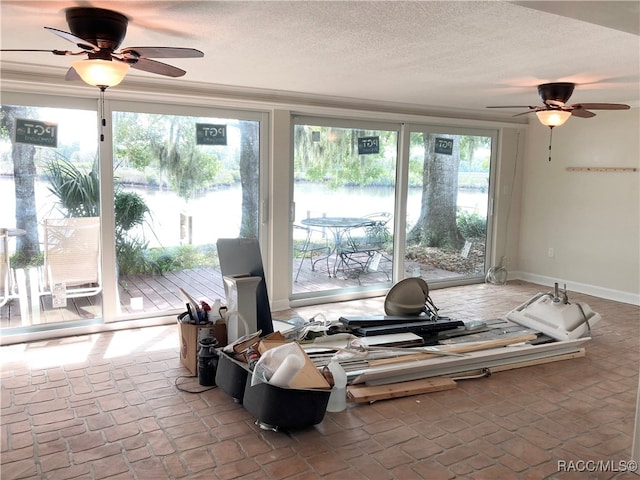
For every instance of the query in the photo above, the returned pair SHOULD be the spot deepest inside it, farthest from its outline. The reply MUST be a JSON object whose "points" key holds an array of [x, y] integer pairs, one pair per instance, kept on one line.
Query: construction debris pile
{"points": [[414, 350], [410, 350]]}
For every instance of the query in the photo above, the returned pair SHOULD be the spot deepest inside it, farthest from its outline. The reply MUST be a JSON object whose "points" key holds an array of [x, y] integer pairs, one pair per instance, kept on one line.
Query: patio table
{"points": [[338, 226]]}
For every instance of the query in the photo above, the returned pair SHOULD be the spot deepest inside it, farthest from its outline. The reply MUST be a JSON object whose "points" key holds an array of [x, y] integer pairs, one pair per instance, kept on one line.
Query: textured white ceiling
{"points": [[440, 55]]}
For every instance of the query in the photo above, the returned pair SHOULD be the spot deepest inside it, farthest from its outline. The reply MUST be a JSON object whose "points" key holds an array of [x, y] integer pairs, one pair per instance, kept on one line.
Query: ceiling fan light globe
{"points": [[553, 118], [101, 73]]}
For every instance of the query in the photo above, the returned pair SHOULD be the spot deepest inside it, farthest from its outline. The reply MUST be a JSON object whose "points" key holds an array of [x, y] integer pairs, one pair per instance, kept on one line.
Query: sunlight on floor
{"points": [[147, 339], [52, 353], [75, 350]]}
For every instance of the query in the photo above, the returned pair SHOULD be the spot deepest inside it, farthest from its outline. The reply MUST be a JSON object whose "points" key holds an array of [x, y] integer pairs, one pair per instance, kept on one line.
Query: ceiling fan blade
{"points": [[526, 113], [161, 52], [602, 106], [157, 67], [512, 106], [55, 52], [578, 111], [84, 44]]}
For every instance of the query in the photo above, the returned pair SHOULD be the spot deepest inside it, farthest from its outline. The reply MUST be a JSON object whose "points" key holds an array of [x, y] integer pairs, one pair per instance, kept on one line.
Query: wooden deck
{"points": [[157, 294], [160, 293]]}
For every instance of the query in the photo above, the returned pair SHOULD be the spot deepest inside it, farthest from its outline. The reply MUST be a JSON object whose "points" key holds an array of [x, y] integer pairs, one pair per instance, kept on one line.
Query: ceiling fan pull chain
{"points": [[103, 121], [550, 140]]}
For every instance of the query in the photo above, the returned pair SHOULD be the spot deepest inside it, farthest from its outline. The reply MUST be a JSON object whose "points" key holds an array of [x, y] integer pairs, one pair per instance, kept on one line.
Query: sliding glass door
{"points": [[344, 196], [50, 264], [175, 183], [350, 235], [447, 205], [180, 183]]}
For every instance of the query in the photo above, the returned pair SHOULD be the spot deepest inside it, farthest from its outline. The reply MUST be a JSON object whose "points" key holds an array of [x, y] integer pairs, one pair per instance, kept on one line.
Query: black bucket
{"points": [[207, 361]]}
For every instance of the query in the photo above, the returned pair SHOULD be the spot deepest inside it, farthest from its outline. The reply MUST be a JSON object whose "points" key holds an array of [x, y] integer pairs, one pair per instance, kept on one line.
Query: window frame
{"points": [[104, 108], [401, 197], [106, 155]]}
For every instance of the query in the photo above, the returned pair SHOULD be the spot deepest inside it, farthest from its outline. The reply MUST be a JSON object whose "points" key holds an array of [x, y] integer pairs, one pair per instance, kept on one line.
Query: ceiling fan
{"points": [[98, 33], [555, 110]]}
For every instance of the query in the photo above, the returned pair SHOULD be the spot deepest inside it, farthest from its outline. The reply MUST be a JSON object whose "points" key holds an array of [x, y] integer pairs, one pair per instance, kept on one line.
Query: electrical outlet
{"points": [[550, 252]]}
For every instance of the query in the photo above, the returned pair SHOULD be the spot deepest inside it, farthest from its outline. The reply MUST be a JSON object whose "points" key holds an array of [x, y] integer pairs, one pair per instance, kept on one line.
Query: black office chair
{"points": [[312, 248]]}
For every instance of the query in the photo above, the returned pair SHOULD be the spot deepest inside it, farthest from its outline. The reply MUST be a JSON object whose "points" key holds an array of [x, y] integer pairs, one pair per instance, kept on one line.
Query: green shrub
{"points": [[471, 225], [184, 257], [130, 210], [132, 258]]}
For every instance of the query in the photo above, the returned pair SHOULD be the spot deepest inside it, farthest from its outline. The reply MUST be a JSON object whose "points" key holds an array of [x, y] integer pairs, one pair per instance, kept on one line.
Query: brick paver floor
{"points": [[106, 406]]}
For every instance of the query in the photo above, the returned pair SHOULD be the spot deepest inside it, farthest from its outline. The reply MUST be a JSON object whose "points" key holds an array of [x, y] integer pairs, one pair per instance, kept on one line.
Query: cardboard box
{"points": [[220, 332], [189, 335]]}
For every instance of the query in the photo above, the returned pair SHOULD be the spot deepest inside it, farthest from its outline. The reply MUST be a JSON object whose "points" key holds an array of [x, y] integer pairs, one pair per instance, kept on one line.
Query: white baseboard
{"points": [[594, 290], [280, 305]]}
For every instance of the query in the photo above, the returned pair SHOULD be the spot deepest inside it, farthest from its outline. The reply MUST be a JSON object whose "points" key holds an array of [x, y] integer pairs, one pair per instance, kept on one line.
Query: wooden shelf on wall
{"points": [[602, 169]]}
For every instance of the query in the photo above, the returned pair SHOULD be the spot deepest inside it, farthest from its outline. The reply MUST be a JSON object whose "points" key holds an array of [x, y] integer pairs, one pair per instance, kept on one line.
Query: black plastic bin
{"points": [[287, 408], [273, 407], [231, 377]]}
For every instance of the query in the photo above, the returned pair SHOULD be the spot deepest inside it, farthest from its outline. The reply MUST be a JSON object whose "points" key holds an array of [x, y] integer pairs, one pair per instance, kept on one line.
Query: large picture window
{"points": [[178, 182], [447, 205], [356, 230], [181, 182], [170, 181], [50, 270], [344, 195]]}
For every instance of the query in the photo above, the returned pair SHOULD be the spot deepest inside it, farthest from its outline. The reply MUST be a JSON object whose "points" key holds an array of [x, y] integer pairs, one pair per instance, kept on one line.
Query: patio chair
{"points": [[364, 245], [4, 266], [72, 256], [310, 248]]}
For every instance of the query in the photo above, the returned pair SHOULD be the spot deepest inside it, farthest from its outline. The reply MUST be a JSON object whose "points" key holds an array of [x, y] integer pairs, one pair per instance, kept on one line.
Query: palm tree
{"points": [[78, 195]]}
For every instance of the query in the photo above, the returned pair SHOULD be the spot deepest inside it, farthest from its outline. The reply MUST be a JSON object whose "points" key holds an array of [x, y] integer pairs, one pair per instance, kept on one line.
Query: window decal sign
{"points": [[368, 145], [444, 146], [209, 134], [36, 132]]}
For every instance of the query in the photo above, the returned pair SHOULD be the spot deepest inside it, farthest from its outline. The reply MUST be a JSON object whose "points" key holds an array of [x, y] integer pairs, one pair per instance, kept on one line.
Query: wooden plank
{"points": [[155, 292], [195, 283], [457, 348], [364, 394], [167, 284]]}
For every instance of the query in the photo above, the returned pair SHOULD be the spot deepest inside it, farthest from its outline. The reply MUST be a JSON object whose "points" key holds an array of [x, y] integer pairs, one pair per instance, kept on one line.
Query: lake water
{"points": [[217, 214]]}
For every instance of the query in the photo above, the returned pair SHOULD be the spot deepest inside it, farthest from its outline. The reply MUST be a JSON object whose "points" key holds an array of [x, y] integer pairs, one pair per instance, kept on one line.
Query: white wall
{"points": [[590, 219], [508, 198]]}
